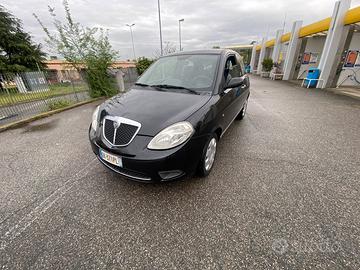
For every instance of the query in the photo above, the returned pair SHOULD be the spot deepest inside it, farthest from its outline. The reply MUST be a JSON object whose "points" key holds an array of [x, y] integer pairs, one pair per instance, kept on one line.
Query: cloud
{"points": [[207, 22]]}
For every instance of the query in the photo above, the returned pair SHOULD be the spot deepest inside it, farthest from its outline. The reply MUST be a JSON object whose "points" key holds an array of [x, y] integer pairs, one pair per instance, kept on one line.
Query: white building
{"points": [[331, 45]]}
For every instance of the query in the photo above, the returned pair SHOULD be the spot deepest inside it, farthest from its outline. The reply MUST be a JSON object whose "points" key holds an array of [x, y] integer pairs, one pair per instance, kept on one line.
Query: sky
{"points": [[207, 23]]}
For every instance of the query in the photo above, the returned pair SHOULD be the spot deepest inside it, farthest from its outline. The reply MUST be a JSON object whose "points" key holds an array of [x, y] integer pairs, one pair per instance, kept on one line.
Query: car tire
{"points": [[242, 113], [208, 156]]}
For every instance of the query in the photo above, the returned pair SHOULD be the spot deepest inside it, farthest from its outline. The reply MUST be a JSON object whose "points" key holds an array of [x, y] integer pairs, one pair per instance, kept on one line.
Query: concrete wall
{"points": [[354, 45], [313, 45]]}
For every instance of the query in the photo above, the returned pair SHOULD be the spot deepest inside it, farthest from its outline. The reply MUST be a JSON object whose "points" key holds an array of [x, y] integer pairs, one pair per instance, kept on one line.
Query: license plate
{"points": [[115, 160]]}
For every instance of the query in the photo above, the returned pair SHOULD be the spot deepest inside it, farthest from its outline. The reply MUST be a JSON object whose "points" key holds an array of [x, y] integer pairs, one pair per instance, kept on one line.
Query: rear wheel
{"points": [[208, 156], [242, 113]]}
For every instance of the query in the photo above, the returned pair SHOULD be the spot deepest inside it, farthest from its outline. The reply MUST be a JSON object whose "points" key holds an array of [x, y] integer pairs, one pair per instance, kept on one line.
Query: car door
{"points": [[243, 90], [228, 97]]}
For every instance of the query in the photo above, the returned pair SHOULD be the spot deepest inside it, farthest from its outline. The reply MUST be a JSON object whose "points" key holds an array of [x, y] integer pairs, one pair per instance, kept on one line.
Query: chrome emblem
{"points": [[116, 124]]}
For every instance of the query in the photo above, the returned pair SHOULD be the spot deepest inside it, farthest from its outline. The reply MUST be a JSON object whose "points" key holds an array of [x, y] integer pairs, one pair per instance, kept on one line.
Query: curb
{"points": [[44, 115], [343, 93]]}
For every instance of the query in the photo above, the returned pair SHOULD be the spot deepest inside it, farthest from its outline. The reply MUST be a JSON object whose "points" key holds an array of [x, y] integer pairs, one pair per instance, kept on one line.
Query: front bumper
{"points": [[144, 165]]}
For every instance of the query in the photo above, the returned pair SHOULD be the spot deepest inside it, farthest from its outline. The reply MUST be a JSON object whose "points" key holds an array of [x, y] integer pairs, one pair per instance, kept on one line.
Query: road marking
{"points": [[9, 236]]}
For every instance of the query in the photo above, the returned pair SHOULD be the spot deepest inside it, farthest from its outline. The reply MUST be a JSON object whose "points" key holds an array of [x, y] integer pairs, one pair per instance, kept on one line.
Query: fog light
{"points": [[168, 175]]}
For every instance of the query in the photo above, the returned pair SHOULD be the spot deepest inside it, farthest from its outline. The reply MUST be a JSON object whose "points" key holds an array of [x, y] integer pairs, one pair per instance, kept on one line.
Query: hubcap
{"points": [[210, 154], [244, 109]]}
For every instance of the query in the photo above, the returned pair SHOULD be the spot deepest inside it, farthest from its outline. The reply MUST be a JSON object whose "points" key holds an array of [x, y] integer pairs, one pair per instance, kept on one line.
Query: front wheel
{"points": [[208, 156], [242, 113]]}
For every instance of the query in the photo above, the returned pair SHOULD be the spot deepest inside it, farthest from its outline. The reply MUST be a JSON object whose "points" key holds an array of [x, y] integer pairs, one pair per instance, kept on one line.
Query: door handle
{"points": [[227, 90], [243, 86]]}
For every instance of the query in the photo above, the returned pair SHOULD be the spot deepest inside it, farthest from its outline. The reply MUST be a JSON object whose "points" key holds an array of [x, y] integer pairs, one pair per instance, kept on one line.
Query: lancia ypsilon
{"points": [[169, 123]]}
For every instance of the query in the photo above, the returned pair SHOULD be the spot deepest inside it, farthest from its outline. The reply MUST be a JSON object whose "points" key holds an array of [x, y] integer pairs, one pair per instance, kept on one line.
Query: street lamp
{"points": [[132, 38], [161, 43], [181, 20]]}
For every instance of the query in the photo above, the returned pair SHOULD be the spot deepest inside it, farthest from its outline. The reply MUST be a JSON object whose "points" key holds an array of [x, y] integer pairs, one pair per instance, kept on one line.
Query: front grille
{"points": [[109, 130], [124, 133], [120, 131]]}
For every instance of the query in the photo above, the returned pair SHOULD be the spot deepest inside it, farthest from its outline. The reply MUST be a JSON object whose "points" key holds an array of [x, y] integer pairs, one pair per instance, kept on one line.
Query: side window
{"points": [[232, 68], [241, 65]]}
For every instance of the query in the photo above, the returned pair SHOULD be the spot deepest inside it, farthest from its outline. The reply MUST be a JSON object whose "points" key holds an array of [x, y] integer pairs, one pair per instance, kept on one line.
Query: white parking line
{"points": [[9, 236]]}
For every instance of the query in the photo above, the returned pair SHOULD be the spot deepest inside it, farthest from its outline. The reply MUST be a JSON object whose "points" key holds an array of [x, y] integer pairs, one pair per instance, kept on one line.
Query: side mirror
{"points": [[235, 82]]}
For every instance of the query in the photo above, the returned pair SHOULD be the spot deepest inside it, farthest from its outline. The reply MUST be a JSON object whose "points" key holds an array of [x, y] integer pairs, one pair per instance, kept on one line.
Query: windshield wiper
{"points": [[141, 84], [168, 86], [153, 86]]}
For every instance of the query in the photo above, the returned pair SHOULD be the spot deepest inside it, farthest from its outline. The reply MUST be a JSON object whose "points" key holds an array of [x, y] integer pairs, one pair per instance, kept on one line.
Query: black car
{"points": [[168, 125]]}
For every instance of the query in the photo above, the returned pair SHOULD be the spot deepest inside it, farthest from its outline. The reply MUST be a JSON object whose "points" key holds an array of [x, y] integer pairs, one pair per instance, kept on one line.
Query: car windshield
{"points": [[194, 72]]}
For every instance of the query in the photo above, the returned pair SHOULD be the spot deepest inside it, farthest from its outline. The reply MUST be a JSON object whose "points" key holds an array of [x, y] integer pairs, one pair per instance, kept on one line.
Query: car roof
{"points": [[211, 51]]}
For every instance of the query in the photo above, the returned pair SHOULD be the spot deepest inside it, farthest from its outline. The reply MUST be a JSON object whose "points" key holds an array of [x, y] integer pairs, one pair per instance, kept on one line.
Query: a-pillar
{"points": [[292, 51], [261, 56], [334, 44]]}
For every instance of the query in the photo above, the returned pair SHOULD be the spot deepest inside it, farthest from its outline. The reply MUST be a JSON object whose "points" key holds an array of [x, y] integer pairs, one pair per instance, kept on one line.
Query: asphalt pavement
{"points": [[284, 194]]}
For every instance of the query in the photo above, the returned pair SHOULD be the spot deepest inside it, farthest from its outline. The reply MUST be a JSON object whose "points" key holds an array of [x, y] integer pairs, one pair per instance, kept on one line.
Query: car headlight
{"points": [[171, 136], [94, 123]]}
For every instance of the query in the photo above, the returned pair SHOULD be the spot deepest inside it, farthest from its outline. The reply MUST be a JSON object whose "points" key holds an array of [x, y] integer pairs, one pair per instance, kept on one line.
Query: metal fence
{"points": [[26, 94]]}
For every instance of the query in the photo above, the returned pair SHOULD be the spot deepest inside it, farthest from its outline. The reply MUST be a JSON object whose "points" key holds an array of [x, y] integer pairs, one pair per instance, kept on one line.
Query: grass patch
{"points": [[58, 104], [14, 97]]}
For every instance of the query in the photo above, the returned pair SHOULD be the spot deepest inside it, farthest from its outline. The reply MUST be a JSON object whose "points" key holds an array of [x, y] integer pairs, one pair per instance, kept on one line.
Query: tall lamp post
{"points": [[132, 38], [181, 20], [161, 43]]}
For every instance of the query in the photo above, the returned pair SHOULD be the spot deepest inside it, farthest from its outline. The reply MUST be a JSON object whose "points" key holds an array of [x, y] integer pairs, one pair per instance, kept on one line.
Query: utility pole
{"points": [[284, 23], [132, 38], [181, 20], [161, 43]]}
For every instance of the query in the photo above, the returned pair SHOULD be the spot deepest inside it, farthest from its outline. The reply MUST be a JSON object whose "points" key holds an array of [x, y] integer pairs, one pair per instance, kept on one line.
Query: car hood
{"points": [[155, 110]]}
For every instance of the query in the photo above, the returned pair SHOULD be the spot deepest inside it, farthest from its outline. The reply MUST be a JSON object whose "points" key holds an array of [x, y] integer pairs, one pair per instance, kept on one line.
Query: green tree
{"points": [[84, 48], [142, 64], [17, 51]]}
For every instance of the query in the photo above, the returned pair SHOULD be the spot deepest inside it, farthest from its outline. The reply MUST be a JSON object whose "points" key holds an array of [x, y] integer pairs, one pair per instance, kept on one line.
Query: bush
{"points": [[100, 82], [58, 104], [267, 64], [98, 62], [142, 64]]}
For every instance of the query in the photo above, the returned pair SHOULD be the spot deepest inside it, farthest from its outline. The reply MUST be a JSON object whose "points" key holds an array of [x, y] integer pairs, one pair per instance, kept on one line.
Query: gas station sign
{"points": [[352, 59], [306, 58], [310, 58]]}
